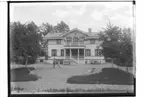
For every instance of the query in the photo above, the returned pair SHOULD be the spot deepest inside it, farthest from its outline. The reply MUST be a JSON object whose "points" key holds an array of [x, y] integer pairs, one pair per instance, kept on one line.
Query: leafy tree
{"points": [[25, 45], [61, 27], [117, 44], [46, 28], [110, 39], [126, 46]]}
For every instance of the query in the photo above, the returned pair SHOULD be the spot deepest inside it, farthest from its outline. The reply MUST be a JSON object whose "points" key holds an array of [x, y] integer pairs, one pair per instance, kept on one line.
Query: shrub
{"points": [[46, 57], [32, 60], [41, 60]]}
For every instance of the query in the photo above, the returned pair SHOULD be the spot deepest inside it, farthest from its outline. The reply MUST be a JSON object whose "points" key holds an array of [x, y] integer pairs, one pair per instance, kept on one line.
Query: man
{"points": [[54, 63]]}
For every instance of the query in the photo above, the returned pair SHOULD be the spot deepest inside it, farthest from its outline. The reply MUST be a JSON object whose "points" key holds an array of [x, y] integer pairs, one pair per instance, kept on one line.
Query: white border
{"points": [[140, 48]]}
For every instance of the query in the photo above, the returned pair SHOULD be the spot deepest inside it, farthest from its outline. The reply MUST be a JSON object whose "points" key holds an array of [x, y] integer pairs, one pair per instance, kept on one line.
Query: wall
{"points": [[52, 45]]}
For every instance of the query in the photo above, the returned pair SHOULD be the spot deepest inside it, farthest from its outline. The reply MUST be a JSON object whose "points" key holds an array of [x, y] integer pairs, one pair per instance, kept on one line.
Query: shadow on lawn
{"points": [[107, 76], [23, 74]]}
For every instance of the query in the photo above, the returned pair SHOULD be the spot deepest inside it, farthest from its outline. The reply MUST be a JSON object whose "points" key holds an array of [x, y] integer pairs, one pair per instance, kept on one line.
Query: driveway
{"points": [[56, 78]]}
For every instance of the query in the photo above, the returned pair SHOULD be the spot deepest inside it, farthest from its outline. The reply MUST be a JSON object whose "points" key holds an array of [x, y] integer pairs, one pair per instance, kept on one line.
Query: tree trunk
{"points": [[26, 62], [126, 66], [112, 62], [26, 65]]}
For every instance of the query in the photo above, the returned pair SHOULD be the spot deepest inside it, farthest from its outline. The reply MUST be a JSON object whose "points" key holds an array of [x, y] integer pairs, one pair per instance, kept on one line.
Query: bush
{"points": [[32, 60], [22, 60], [46, 57], [122, 63], [106, 76], [41, 60], [42, 53]]}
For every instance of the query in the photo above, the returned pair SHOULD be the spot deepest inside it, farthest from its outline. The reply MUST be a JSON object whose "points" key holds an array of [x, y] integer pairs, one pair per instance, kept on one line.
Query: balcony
{"points": [[74, 44]]}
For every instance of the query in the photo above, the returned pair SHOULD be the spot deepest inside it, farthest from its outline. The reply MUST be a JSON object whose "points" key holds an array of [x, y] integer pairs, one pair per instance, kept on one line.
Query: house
{"points": [[75, 45]]}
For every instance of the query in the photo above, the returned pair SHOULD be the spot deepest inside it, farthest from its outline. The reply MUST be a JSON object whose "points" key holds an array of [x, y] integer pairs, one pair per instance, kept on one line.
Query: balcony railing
{"points": [[74, 44]]}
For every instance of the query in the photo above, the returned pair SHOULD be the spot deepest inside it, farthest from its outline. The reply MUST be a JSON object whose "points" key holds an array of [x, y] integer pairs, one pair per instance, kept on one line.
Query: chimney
{"points": [[89, 30]]}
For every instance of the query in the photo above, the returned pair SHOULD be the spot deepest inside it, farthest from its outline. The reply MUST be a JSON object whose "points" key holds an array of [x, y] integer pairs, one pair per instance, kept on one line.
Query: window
{"points": [[62, 52], [92, 41], [68, 40], [54, 52], [58, 41], [88, 52], [98, 52], [81, 40], [75, 40]]}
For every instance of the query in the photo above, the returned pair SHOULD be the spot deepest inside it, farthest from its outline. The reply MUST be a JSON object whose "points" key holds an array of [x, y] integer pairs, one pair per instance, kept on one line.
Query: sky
{"points": [[81, 15]]}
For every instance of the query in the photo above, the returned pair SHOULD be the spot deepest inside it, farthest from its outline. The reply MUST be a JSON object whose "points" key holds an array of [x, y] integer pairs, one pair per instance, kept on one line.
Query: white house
{"points": [[76, 45]]}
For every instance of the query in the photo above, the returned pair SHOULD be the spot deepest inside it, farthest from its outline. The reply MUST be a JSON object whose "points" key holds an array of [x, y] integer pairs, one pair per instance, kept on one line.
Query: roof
{"points": [[53, 35], [59, 35], [74, 30]]}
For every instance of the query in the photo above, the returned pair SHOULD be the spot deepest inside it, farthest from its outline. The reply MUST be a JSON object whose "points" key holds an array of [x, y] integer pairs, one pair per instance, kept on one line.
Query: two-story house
{"points": [[79, 46]]}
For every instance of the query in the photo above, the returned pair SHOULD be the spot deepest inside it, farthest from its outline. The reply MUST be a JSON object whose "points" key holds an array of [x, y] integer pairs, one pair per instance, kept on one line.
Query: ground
{"points": [[50, 79]]}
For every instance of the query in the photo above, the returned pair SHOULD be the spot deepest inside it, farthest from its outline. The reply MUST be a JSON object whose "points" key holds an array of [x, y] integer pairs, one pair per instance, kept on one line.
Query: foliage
{"points": [[117, 44], [24, 42], [46, 28], [61, 27]]}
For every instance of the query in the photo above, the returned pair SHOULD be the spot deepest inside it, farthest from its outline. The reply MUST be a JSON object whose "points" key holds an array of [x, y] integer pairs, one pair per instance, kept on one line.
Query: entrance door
{"points": [[67, 53], [81, 53], [74, 53]]}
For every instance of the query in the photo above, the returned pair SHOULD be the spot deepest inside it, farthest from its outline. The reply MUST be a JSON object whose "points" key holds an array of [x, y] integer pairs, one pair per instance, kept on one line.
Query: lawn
{"points": [[23, 74], [107, 76]]}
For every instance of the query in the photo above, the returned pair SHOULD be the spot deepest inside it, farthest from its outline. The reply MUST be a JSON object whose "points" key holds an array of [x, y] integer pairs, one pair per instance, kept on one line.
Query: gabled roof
{"points": [[60, 35], [75, 29]]}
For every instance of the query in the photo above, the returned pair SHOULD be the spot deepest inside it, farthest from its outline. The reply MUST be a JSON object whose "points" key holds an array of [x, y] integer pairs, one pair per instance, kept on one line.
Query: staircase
{"points": [[73, 61], [69, 61]]}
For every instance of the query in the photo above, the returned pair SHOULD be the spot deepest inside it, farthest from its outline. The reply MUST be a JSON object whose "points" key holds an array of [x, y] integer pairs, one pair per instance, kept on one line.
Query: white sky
{"points": [[82, 15]]}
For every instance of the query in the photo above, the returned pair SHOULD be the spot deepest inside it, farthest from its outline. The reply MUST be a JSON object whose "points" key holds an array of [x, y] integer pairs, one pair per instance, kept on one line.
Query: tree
{"points": [[46, 28], [126, 47], [24, 42], [61, 27], [117, 44], [110, 39]]}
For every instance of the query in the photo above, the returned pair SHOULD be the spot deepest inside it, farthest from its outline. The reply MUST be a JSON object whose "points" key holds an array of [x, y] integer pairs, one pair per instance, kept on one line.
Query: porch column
{"points": [[78, 55], [84, 55], [69, 53], [64, 53]]}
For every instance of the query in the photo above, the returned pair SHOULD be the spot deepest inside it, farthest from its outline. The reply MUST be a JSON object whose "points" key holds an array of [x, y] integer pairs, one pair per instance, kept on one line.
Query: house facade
{"points": [[77, 45]]}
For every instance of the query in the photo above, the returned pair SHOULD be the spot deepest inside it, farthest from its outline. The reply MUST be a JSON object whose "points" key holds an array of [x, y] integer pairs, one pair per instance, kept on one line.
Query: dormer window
{"points": [[58, 41], [75, 40], [68, 40], [92, 41], [81, 39]]}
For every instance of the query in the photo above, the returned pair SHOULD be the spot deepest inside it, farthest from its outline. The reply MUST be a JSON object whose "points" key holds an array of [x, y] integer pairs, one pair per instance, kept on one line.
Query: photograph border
{"points": [[69, 94]]}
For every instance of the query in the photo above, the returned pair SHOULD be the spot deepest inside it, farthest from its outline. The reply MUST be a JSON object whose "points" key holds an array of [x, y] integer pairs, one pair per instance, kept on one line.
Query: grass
{"points": [[22, 74], [107, 76]]}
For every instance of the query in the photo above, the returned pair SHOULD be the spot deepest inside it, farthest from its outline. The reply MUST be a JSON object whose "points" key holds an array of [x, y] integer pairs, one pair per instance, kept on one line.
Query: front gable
{"points": [[75, 33]]}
